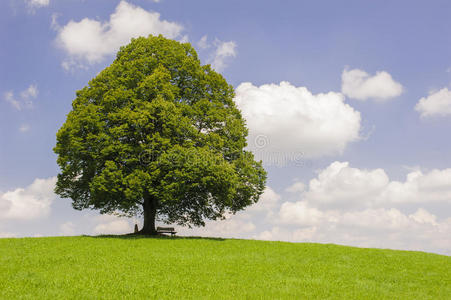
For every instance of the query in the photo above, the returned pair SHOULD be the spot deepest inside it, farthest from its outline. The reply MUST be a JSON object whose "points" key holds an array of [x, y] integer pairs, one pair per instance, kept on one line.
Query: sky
{"points": [[348, 105]]}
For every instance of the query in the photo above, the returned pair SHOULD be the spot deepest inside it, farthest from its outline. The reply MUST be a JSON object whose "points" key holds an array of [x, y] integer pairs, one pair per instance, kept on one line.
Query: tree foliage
{"points": [[157, 133]]}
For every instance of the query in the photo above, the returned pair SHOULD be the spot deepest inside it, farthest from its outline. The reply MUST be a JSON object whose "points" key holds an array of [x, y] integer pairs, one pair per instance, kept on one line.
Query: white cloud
{"points": [[362, 207], [299, 213], [381, 228], [112, 225], [30, 93], [184, 39], [27, 203], [220, 54], [231, 227], [281, 234], [424, 217], [334, 208], [436, 104], [24, 128], [25, 99], [7, 235], [238, 225], [90, 41], [203, 42], [296, 187], [269, 200], [72, 65], [54, 24], [9, 97], [290, 123], [358, 84], [38, 3], [341, 186], [224, 50], [67, 229], [35, 4], [241, 224]]}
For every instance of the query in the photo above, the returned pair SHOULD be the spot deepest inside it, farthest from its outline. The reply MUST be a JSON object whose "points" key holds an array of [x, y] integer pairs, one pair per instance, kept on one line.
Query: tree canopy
{"points": [[157, 133]]}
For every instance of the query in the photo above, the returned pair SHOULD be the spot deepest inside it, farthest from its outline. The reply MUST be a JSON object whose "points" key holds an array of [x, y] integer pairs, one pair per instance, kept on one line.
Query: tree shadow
{"points": [[132, 236]]}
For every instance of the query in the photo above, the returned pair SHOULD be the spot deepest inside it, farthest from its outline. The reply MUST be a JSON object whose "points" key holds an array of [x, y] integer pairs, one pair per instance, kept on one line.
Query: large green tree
{"points": [[157, 133]]}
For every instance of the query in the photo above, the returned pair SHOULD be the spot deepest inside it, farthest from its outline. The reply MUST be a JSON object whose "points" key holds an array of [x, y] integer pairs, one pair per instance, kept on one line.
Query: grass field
{"points": [[195, 268]]}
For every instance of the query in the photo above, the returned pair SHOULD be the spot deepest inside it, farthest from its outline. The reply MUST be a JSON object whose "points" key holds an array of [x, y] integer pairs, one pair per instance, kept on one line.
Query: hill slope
{"points": [[135, 267]]}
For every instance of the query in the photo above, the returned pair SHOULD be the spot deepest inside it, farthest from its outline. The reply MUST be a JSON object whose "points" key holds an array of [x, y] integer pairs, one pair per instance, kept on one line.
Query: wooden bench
{"points": [[170, 230]]}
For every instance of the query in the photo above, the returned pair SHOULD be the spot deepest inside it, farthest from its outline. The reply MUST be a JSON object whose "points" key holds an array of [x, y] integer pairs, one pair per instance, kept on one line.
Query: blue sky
{"points": [[376, 173]]}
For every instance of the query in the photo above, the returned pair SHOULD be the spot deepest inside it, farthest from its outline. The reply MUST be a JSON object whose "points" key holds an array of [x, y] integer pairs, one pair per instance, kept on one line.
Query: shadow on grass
{"points": [[131, 236]]}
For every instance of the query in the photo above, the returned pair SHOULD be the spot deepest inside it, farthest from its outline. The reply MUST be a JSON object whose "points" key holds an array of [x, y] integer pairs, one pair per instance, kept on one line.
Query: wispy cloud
{"points": [[203, 42], [224, 51], [24, 128], [25, 99], [32, 5]]}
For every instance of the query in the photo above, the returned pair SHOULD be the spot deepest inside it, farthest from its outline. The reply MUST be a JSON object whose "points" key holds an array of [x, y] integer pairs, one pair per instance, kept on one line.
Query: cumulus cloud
{"points": [[241, 224], [67, 229], [112, 225], [340, 185], [269, 200], [25, 99], [372, 227], [361, 207], [28, 203], [299, 213], [436, 104], [358, 84], [282, 234], [422, 216], [296, 187], [350, 206], [290, 123], [232, 227], [90, 41], [381, 228]]}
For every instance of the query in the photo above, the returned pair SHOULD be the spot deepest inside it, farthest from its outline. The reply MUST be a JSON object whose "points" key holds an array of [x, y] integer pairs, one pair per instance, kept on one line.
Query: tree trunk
{"points": [[150, 211]]}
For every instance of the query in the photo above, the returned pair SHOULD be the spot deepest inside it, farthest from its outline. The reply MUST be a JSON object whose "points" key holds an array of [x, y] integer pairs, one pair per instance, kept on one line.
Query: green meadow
{"points": [[129, 267]]}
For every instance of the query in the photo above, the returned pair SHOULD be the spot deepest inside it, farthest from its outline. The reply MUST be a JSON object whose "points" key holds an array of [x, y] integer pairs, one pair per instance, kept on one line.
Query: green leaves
{"points": [[156, 122]]}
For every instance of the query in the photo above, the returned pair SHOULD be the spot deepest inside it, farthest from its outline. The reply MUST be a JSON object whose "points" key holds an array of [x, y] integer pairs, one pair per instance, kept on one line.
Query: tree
{"points": [[156, 133]]}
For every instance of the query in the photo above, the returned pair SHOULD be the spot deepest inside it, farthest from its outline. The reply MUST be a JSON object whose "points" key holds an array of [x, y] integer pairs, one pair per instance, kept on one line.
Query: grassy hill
{"points": [[195, 268]]}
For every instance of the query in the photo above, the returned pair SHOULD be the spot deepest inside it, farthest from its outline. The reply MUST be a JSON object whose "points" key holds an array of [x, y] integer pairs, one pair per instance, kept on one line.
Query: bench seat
{"points": [[170, 230]]}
